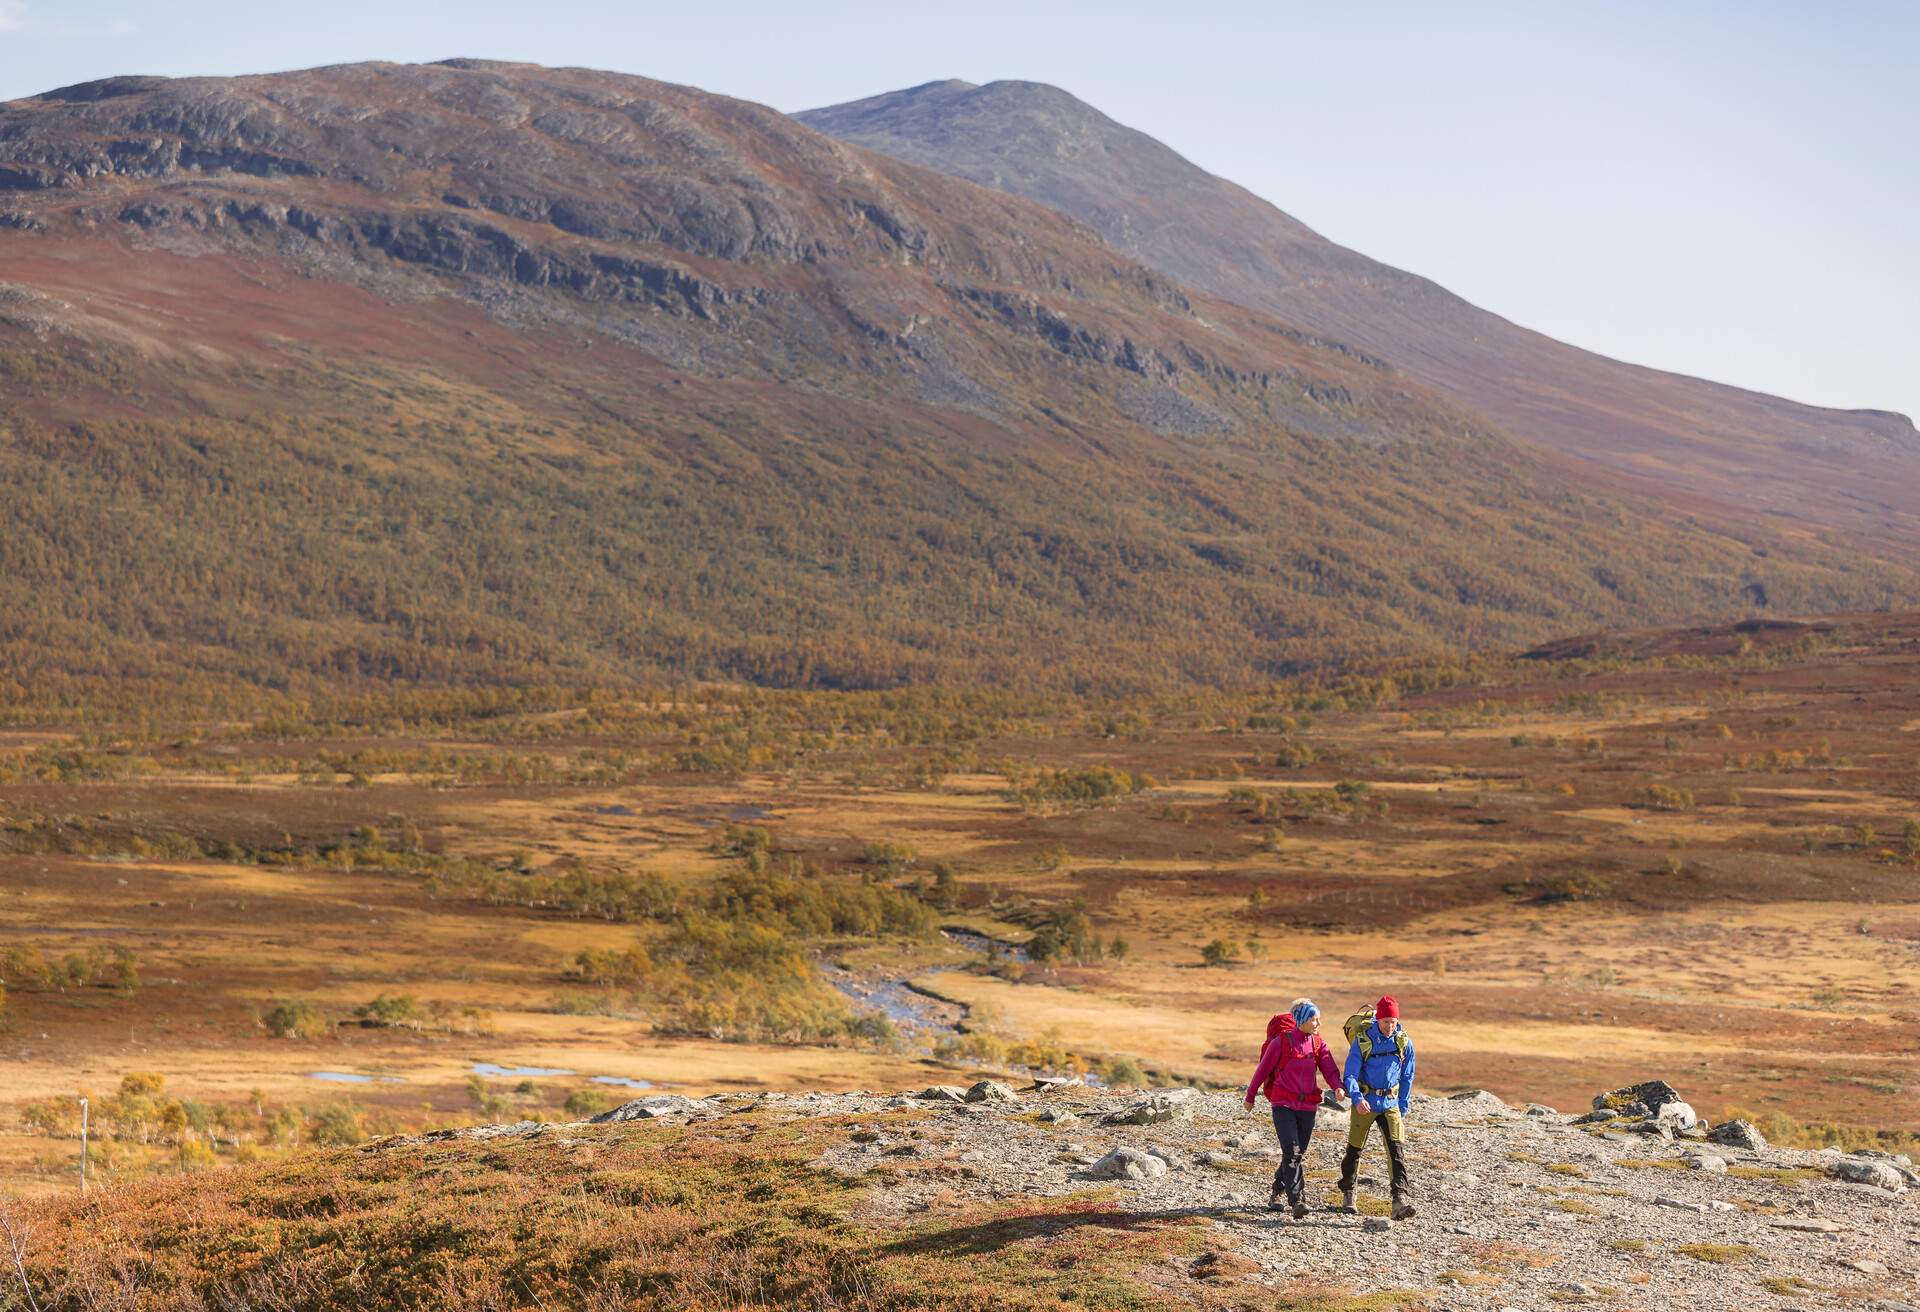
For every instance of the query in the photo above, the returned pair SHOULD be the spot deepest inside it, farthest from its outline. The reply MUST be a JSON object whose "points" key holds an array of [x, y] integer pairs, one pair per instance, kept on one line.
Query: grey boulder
{"points": [[991, 1091], [1739, 1134], [1125, 1163], [1172, 1105], [646, 1109], [1865, 1170]]}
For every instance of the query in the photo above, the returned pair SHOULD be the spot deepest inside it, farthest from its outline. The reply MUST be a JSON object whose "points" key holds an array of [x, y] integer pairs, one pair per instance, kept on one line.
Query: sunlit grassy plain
{"points": [[1688, 855]]}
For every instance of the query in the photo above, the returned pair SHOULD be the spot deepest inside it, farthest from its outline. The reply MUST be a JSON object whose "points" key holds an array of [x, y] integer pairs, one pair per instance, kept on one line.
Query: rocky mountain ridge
{"points": [[1764, 455], [516, 373]]}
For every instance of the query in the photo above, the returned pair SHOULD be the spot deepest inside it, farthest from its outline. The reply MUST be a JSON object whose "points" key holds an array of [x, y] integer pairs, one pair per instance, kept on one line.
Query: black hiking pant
{"points": [[1392, 1133], [1296, 1132]]}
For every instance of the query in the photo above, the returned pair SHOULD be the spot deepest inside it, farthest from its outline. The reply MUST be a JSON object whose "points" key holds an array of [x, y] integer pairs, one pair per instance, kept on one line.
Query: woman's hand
{"points": [[1249, 1104]]}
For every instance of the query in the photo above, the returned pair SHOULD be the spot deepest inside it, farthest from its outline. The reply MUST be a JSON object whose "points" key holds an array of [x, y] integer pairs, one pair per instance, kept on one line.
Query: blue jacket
{"points": [[1383, 1070]]}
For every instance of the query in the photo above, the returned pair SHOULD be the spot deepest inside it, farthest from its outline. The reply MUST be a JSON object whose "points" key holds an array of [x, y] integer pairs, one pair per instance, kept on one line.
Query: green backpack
{"points": [[1356, 1029]]}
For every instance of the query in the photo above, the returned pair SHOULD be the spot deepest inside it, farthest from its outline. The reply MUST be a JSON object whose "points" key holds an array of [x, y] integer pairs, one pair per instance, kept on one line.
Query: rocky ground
{"points": [[1635, 1204]]}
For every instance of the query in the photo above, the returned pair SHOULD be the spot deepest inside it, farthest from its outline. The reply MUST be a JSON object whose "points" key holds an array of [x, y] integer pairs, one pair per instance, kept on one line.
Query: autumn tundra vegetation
{"points": [[529, 591]]}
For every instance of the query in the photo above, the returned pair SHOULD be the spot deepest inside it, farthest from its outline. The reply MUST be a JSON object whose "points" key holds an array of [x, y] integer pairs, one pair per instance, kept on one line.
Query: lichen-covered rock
{"points": [[1125, 1163], [1170, 1105], [1865, 1170], [991, 1091], [1652, 1095], [942, 1093], [646, 1109]]}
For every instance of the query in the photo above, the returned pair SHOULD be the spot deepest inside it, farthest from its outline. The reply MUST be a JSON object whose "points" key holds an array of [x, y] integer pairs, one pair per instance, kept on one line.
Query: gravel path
{"points": [[1518, 1208]]}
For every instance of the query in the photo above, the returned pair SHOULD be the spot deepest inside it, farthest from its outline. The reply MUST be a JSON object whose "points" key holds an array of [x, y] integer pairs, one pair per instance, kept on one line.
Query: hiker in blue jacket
{"points": [[1379, 1079]]}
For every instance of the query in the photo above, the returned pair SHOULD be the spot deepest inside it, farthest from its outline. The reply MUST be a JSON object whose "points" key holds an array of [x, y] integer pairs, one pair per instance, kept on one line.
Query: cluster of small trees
{"points": [[30, 968], [1086, 785], [142, 1114]]}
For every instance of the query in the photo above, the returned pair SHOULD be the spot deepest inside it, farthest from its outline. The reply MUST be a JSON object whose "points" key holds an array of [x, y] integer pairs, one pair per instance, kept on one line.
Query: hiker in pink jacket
{"points": [[1294, 1055]]}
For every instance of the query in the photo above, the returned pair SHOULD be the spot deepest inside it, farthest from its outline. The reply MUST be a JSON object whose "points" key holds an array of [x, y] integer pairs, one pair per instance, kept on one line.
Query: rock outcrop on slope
{"points": [[611, 378], [1854, 469]]}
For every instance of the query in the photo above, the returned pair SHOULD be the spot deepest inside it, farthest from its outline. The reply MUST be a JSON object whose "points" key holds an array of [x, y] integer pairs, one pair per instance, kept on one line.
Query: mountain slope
{"points": [[471, 371], [1858, 470]]}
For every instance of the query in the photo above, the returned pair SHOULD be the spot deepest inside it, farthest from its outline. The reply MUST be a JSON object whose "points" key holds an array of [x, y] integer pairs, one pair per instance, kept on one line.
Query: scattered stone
{"points": [[1872, 1193], [1215, 1159], [1050, 1083], [1812, 1225], [1739, 1134], [1172, 1105], [1710, 1162], [1255, 1142], [1125, 1163], [1655, 1129], [1540, 1109], [1865, 1170], [1478, 1097], [1598, 1116], [942, 1093], [1376, 1225], [1057, 1116], [1679, 1204], [1575, 1289], [1866, 1266], [646, 1109], [991, 1091]]}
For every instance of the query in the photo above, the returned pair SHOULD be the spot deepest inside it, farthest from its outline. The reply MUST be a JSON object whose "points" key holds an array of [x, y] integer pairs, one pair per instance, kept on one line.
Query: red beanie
{"points": [[1386, 1007]]}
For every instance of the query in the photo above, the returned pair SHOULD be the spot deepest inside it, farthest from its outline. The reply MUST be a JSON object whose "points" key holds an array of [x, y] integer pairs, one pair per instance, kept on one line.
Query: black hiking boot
{"points": [[1404, 1210], [1299, 1209]]}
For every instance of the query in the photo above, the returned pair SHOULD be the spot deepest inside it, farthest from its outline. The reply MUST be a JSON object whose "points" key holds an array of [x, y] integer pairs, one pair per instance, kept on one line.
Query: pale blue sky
{"points": [[1723, 188]]}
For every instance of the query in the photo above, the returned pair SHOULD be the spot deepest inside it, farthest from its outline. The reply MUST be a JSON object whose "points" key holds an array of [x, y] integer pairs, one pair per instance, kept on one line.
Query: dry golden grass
{"points": [[1448, 898]]}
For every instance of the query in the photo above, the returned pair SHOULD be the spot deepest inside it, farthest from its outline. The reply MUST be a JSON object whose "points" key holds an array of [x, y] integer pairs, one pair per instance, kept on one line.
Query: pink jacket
{"points": [[1285, 1073]]}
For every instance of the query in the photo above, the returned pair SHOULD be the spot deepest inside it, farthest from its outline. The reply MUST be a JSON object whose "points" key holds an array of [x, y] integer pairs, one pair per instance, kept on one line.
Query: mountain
{"points": [[1852, 469], [474, 372]]}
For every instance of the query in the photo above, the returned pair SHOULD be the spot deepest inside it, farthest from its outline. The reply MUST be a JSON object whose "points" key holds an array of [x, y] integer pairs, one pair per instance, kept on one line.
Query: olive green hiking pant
{"points": [[1393, 1133]]}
